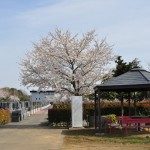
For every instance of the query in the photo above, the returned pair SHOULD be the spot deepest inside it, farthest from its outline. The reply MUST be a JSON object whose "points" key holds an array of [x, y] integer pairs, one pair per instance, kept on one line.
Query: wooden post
{"points": [[135, 113], [95, 108], [129, 99], [122, 111], [99, 112]]}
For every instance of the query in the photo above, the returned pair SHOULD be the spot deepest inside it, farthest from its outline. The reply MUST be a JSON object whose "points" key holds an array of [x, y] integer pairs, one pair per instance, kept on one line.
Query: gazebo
{"points": [[135, 80]]}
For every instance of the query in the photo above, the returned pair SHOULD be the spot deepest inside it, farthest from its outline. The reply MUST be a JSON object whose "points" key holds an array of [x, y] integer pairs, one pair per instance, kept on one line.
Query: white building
{"points": [[42, 96]]}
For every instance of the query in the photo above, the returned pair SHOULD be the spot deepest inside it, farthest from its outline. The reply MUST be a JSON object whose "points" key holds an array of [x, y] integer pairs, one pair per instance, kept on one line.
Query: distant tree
{"points": [[4, 95], [22, 95], [67, 62], [123, 67], [14, 98], [13, 94]]}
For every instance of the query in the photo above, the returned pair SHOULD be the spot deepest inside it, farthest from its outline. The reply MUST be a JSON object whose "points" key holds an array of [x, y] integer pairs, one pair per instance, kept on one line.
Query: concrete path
{"points": [[31, 134], [38, 119]]}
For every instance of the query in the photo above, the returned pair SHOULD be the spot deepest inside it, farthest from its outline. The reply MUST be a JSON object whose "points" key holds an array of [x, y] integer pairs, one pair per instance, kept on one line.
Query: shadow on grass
{"points": [[80, 131], [94, 132], [115, 137]]}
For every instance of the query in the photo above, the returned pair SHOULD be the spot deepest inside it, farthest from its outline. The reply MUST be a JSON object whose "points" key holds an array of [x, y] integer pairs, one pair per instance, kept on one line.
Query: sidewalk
{"points": [[38, 119], [31, 134]]}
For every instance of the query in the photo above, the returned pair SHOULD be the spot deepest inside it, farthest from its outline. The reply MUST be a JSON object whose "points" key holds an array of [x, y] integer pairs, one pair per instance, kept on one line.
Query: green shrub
{"points": [[112, 117]]}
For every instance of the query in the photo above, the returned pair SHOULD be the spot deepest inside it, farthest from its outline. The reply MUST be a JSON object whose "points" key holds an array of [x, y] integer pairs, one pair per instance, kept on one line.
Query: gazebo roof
{"points": [[135, 80]]}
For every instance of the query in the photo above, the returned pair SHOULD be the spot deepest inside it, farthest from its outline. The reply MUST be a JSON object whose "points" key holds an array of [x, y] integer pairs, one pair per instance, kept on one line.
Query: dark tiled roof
{"points": [[136, 78], [48, 91]]}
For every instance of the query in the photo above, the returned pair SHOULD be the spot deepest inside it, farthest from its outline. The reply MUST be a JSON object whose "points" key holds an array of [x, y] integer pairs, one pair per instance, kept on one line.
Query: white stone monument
{"points": [[77, 111]]}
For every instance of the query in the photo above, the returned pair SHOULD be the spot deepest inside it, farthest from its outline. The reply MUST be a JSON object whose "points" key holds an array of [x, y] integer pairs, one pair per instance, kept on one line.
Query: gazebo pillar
{"points": [[135, 113], [122, 110], [99, 112], [129, 100], [95, 108]]}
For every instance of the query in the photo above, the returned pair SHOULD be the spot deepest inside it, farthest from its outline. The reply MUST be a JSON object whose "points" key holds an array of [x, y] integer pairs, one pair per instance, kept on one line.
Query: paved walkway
{"points": [[38, 119], [33, 133]]}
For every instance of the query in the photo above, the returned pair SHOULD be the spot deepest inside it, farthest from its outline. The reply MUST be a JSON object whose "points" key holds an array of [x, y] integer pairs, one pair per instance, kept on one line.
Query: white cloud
{"points": [[66, 11]]}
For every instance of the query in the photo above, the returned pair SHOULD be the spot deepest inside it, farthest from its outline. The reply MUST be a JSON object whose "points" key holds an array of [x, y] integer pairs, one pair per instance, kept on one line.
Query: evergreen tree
{"points": [[123, 67]]}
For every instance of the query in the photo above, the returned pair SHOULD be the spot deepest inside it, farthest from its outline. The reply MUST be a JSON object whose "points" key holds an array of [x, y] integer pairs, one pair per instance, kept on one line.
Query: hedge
{"points": [[59, 117], [4, 116], [61, 112]]}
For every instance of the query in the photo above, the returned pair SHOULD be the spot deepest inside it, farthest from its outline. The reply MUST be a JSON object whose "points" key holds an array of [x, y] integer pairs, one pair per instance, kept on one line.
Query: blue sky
{"points": [[124, 23]]}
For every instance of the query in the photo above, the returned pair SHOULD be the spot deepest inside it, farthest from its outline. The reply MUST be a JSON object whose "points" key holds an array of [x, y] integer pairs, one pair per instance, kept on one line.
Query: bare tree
{"points": [[67, 62]]}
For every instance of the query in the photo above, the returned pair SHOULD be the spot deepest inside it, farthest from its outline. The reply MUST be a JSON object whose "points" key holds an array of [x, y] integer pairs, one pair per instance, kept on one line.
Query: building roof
{"points": [[48, 91], [137, 79]]}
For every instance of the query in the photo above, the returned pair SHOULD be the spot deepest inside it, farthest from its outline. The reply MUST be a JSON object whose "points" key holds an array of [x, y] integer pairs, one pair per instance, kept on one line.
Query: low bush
{"points": [[4, 116]]}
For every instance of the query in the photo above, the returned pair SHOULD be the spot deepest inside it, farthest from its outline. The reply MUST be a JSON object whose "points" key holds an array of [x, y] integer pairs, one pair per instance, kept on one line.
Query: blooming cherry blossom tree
{"points": [[67, 62], [4, 94]]}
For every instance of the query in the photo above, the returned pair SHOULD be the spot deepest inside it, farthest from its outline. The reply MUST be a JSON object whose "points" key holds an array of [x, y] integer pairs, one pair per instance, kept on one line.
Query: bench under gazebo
{"points": [[135, 80]]}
